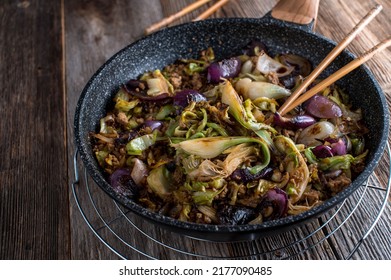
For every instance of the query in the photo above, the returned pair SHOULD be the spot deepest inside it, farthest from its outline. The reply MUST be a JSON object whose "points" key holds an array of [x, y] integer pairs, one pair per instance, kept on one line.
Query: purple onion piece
{"points": [[295, 122], [274, 204], [139, 171], [227, 68], [331, 140], [254, 48], [184, 97], [234, 215], [138, 89], [332, 174], [339, 146], [302, 65], [231, 67], [134, 84], [322, 151], [244, 175], [125, 137], [153, 124], [288, 81], [164, 97], [123, 184], [214, 73], [322, 107]]}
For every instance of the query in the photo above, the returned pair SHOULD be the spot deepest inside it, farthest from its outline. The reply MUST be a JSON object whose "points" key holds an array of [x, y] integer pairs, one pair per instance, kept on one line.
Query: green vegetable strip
{"points": [[171, 128], [137, 145], [165, 111], [236, 108], [310, 156], [340, 162], [211, 147], [218, 128], [201, 127], [197, 135]]}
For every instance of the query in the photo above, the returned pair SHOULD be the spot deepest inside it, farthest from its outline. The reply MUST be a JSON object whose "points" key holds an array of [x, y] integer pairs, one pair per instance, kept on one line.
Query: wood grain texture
{"points": [[300, 11], [95, 30], [34, 220]]}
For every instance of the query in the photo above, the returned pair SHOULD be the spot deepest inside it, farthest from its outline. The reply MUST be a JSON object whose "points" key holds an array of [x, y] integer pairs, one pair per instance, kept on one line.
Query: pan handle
{"points": [[299, 12]]}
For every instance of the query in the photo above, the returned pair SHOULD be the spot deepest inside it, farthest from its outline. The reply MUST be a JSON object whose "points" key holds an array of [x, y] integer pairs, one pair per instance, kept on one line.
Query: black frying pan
{"points": [[227, 36]]}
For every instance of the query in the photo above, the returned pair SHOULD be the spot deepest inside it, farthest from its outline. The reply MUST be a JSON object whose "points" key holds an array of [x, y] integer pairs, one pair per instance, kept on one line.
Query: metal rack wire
{"points": [[126, 235]]}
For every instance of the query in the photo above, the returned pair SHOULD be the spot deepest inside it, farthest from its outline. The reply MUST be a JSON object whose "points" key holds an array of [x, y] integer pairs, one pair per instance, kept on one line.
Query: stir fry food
{"points": [[201, 140]]}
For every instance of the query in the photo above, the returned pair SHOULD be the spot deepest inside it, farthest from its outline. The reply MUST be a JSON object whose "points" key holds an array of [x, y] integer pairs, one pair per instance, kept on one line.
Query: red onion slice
{"points": [[243, 175], [227, 68], [122, 183], [322, 107], [322, 151], [295, 122], [339, 146], [184, 97], [153, 124], [139, 171], [254, 48], [274, 204], [138, 89]]}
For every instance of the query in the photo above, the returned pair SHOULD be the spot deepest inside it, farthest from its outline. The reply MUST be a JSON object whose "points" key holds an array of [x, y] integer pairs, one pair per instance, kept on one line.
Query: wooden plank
{"points": [[95, 30], [34, 220], [357, 216]]}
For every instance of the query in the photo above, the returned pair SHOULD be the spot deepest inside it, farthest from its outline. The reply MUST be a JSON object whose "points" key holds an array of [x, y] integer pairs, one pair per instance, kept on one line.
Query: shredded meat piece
{"points": [[338, 184], [122, 118], [202, 219], [312, 196], [273, 78], [196, 81], [176, 80], [218, 113]]}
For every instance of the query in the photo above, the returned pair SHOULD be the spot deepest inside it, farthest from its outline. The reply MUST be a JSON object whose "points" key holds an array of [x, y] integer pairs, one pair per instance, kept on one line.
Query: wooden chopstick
{"points": [[330, 57], [211, 10], [340, 73], [181, 13]]}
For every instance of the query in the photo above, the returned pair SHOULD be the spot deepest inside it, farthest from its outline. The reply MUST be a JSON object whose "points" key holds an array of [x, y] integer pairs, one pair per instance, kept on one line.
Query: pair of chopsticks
{"points": [[296, 98], [186, 10]]}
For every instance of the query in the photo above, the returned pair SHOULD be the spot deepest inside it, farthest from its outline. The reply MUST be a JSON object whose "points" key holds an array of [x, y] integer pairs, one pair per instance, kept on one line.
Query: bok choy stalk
{"points": [[159, 181], [236, 108], [295, 165], [310, 156], [205, 197], [211, 147], [340, 162], [158, 84], [123, 102], [266, 65], [104, 128], [256, 89], [137, 145]]}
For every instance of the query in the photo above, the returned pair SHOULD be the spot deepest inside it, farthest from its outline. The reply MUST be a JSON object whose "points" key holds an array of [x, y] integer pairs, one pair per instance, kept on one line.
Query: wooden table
{"points": [[48, 52]]}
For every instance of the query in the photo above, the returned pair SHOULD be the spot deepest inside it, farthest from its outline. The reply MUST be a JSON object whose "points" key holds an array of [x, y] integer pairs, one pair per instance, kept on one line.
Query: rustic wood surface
{"points": [[48, 52]]}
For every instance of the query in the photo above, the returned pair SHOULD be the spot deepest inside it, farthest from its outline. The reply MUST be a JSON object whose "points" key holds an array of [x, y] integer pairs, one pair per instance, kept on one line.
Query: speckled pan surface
{"points": [[227, 37]]}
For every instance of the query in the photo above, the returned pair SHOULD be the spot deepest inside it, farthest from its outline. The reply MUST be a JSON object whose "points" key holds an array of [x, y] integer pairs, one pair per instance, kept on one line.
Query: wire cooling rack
{"points": [[129, 237]]}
